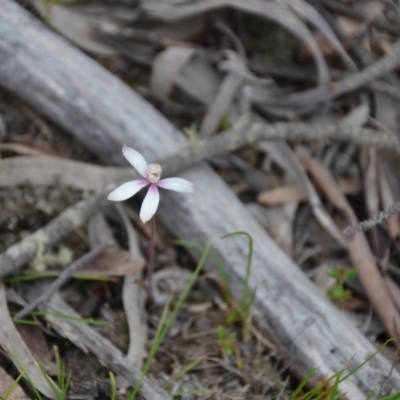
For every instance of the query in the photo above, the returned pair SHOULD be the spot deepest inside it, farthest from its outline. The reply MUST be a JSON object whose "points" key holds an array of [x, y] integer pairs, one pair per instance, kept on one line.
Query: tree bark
{"points": [[102, 112]]}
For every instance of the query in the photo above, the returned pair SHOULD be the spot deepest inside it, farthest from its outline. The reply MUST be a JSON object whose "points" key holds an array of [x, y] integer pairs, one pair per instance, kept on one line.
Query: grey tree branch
{"points": [[244, 134], [50, 170], [16, 256], [60, 281], [88, 339]]}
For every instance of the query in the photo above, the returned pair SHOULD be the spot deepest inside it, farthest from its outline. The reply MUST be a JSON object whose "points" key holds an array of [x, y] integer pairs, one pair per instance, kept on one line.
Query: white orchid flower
{"points": [[151, 174]]}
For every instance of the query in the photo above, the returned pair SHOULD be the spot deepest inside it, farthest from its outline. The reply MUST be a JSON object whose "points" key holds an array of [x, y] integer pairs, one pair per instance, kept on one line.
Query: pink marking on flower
{"points": [[152, 174]]}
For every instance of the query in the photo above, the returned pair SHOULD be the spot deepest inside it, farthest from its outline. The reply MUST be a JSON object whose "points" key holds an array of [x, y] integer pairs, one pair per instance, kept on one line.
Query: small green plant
{"points": [[182, 372], [25, 374], [328, 388], [226, 340], [239, 311], [224, 284], [167, 318], [63, 379], [338, 292], [225, 123], [113, 386]]}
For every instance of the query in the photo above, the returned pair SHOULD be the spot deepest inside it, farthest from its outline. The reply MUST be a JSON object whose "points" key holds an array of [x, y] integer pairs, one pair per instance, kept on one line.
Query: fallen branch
{"points": [[46, 170], [16, 348], [88, 339], [16, 256], [60, 281], [358, 247]]}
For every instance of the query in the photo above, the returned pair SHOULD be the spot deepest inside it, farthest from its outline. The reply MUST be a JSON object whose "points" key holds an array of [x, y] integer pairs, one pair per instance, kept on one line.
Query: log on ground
{"points": [[74, 91]]}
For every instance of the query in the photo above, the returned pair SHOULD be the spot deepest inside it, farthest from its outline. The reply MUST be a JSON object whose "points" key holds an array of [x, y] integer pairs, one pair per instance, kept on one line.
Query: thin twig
{"points": [[244, 134], [46, 170], [60, 281], [376, 220], [358, 248], [86, 338], [16, 256]]}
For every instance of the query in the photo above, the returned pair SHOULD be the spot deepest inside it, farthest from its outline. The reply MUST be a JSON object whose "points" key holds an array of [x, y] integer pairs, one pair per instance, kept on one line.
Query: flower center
{"points": [[153, 172]]}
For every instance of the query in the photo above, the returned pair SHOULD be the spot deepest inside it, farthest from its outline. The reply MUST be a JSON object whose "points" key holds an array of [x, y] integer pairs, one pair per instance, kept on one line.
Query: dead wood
{"points": [[358, 247], [12, 342], [46, 170], [16, 256], [87, 339], [103, 113], [60, 281]]}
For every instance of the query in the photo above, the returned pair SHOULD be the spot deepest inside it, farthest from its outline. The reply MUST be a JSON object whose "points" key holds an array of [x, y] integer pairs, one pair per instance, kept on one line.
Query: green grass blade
{"points": [[166, 321], [13, 386], [113, 383], [249, 262], [88, 321], [214, 259], [27, 377], [303, 383], [54, 274]]}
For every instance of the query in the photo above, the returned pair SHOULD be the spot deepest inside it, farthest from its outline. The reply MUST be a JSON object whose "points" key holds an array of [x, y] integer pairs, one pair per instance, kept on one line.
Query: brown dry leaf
{"points": [[34, 338], [113, 262], [6, 381], [291, 193], [284, 156]]}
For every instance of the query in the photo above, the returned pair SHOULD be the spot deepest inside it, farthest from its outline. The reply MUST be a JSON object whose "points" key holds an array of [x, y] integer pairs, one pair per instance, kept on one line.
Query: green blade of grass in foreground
{"points": [[166, 321], [215, 260], [113, 384], [246, 292], [88, 321], [13, 386], [331, 392], [54, 274]]}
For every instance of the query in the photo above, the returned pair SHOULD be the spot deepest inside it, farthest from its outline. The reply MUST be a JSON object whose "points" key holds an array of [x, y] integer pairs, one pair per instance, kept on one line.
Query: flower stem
{"points": [[151, 257]]}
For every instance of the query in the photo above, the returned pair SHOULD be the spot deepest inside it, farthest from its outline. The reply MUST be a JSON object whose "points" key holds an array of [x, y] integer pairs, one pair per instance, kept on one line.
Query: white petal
{"points": [[150, 204], [135, 159], [177, 184], [127, 190]]}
